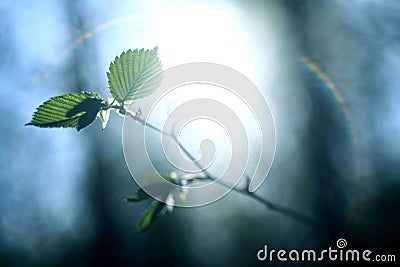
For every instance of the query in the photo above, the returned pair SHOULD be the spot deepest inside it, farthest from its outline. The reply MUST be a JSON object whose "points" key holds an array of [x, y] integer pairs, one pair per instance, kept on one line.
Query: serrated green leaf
{"points": [[150, 215], [134, 74], [70, 110], [137, 196]]}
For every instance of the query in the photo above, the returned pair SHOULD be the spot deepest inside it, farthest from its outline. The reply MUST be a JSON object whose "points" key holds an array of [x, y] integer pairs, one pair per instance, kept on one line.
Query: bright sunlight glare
{"points": [[217, 33], [203, 33]]}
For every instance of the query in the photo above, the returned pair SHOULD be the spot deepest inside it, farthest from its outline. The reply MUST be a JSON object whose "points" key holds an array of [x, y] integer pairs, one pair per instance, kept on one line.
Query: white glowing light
{"points": [[206, 33]]}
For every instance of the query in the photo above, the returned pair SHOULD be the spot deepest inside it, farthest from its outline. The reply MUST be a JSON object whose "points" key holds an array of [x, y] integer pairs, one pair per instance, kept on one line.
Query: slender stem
{"points": [[244, 191]]}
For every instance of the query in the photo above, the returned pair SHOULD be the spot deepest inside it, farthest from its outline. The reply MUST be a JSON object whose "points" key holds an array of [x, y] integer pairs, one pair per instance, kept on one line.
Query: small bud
{"points": [[104, 116], [170, 202], [189, 176], [173, 175]]}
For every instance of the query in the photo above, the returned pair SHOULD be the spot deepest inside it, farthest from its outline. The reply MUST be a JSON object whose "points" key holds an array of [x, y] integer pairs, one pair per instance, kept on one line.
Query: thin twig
{"points": [[291, 213]]}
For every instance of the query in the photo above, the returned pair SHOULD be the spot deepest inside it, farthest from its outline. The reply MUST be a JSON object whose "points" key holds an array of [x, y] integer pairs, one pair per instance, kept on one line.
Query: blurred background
{"points": [[329, 69]]}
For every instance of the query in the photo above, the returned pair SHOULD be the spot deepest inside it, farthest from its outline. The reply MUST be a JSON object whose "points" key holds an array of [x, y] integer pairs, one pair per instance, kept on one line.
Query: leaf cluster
{"points": [[132, 75]]}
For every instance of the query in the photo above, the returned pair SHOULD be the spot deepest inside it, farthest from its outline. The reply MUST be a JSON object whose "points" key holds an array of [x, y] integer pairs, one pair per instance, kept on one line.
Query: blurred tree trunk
{"points": [[325, 129], [101, 249]]}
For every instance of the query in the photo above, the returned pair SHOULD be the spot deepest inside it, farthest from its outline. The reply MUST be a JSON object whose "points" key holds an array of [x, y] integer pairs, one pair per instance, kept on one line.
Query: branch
{"points": [[291, 213]]}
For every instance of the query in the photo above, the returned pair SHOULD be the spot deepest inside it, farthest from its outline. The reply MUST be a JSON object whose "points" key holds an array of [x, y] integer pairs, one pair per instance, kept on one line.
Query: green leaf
{"points": [[70, 110], [134, 74], [150, 215], [137, 196]]}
